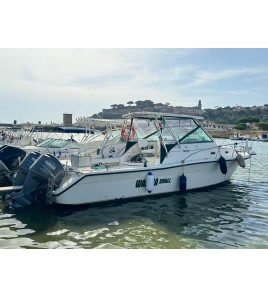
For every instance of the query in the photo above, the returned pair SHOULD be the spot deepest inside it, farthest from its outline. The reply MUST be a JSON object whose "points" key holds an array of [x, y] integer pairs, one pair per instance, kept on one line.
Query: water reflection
{"points": [[228, 216]]}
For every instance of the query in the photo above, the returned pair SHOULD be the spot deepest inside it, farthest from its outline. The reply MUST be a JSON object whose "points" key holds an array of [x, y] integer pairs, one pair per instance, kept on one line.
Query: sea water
{"points": [[233, 215]]}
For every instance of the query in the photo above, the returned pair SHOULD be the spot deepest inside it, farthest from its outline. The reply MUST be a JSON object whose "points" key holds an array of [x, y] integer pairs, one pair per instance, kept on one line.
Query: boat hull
{"points": [[111, 185]]}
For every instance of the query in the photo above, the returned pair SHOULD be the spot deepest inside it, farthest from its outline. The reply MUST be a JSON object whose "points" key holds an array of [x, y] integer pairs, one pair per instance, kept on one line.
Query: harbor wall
{"points": [[227, 134]]}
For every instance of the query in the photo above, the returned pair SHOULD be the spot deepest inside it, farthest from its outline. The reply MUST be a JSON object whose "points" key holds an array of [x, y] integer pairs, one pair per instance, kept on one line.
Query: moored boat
{"points": [[262, 138], [238, 136], [163, 153]]}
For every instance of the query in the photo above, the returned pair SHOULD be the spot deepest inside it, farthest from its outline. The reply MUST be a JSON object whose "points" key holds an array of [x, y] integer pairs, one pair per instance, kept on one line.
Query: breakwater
{"points": [[227, 134]]}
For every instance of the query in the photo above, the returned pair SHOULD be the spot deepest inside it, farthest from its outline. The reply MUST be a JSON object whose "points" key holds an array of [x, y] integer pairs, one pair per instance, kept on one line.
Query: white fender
{"points": [[240, 160], [150, 182]]}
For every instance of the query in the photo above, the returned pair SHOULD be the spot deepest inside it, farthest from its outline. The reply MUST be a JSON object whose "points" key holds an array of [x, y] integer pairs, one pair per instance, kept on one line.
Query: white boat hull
{"points": [[110, 185]]}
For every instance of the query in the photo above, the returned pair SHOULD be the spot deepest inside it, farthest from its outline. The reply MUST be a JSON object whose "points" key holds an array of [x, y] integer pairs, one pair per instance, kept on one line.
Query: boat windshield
{"points": [[181, 130], [59, 143], [196, 136]]}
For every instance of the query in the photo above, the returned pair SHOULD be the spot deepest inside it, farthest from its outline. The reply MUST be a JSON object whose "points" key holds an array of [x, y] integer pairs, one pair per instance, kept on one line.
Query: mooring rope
{"points": [[265, 166]]}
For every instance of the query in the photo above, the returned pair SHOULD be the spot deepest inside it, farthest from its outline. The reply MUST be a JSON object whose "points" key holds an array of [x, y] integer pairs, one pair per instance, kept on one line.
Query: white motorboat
{"points": [[163, 153], [240, 137], [71, 143], [97, 145], [262, 138], [57, 147]]}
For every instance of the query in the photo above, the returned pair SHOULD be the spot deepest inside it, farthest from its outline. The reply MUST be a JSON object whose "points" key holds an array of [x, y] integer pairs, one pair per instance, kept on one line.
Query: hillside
{"points": [[228, 115]]}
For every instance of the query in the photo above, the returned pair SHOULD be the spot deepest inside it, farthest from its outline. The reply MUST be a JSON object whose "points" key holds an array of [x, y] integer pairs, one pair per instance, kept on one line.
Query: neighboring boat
{"points": [[238, 136], [262, 138], [60, 148], [101, 144], [98, 145], [163, 153]]}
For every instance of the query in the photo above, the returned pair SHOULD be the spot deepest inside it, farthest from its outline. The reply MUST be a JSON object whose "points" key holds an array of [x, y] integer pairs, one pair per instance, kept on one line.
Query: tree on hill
{"points": [[144, 103], [232, 114], [263, 125], [130, 103], [241, 126], [250, 119], [96, 116]]}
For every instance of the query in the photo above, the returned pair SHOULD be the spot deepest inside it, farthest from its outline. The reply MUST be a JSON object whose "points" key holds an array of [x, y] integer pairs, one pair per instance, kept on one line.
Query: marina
{"points": [[160, 154], [223, 216]]}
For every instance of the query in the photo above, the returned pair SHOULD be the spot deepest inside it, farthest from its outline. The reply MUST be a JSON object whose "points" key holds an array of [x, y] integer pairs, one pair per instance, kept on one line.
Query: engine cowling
{"points": [[45, 171]]}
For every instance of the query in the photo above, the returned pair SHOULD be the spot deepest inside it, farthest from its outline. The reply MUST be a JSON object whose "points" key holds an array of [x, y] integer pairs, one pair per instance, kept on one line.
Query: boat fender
{"points": [[240, 160], [183, 183], [150, 182], [223, 165]]}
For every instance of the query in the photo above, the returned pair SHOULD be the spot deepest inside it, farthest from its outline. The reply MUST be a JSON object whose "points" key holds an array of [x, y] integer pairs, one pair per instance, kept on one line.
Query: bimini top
{"points": [[157, 115], [96, 121], [73, 129]]}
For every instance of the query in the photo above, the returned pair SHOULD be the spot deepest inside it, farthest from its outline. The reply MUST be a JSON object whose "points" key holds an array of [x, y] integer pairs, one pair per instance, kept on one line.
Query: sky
{"points": [[61, 57], [44, 83]]}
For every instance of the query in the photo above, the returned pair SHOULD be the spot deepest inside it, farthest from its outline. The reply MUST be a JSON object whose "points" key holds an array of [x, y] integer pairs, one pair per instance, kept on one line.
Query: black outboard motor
{"points": [[5, 175], [10, 158], [45, 171], [24, 167]]}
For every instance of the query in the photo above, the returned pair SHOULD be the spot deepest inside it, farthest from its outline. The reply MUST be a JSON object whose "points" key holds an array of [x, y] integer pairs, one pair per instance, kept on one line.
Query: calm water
{"points": [[234, 215]]}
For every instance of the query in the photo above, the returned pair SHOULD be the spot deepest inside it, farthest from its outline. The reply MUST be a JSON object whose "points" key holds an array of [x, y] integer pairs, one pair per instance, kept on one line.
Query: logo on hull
{"points": [[142, 182]]}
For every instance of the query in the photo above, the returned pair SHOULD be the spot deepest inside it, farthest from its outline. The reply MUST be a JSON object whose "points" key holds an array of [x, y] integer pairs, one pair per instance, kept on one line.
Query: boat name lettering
{"points": [[142, 182], [164, 180], [50, 165]]}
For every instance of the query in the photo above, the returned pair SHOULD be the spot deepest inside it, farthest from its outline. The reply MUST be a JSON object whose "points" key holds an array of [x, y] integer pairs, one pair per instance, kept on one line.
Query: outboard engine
{"points": [[5, 175], [10, 158], [46, 171], [24, 167]]}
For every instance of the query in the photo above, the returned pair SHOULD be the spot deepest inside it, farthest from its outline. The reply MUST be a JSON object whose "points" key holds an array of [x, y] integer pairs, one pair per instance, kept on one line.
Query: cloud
{"points": [[85, 81], [243, 92], [89, 70], [206, 77]]}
